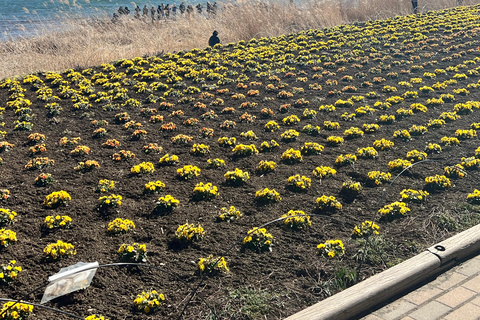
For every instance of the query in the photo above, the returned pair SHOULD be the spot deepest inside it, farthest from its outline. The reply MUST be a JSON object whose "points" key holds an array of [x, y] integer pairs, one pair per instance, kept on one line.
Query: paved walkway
{"points": [[453, 295]]}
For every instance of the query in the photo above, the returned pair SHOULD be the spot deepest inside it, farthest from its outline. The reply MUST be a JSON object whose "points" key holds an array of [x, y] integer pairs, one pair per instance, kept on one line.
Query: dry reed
{"points": [[86, 42]]}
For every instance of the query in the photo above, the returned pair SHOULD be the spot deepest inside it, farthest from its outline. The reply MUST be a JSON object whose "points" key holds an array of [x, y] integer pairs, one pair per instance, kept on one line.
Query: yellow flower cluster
{"points": [[394, 210], [212, 265], [187, 233], [265, 146], [323, 172], [144, 167], [236, 177], [148, 302], [166, 204], [9, 272], [415, 156], [471, 163], [266, 195], [111, 201], [417, 196], [188, 172], [167, 160], [296, 219], [105, 186], [58, 221], [311, 148], [59, 250], [449, 141], [215, 163], [353, 132], [16, 311], [378, 177], [328, 204], [331, 249], [56, 199], [292, 156], [367, 229], [229, 214], [456, 171], [291, 120], [95, 317], [249, 135], [298, 183], [258, 240], [474, 197], [205, 191], [266, 166], [7, 216], [433, 148], [465, 134], [402, 134], [119, 225], [133, 252], [399, 165], [154, 186], [437, 182], [244, 150], [199, 149], [344, 160], [271, 126], [367, 152], [227, 141]]}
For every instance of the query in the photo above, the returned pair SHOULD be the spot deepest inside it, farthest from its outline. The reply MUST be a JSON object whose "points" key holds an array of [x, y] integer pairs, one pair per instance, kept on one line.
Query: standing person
{"points": [[214, 8], [145, 11], [199, 8], [214, 39], [126, 11], [167, 11], [415, 6], [121, 11], [182, 8], [137, 12], [152, 13], [174, 10], [189, 10], [160, 11]]}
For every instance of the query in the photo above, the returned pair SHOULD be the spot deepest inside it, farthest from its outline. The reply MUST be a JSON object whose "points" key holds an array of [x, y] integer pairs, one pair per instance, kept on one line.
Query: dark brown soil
{"points": [[285, 280]]}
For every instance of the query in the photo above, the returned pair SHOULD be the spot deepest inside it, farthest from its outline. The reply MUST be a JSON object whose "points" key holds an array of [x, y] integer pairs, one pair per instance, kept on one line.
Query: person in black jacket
{"points": [[415, 6], [213, 39]]}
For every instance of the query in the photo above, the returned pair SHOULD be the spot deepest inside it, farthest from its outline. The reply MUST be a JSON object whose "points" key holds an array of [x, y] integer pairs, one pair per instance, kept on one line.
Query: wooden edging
{"points": [[388, 284]]}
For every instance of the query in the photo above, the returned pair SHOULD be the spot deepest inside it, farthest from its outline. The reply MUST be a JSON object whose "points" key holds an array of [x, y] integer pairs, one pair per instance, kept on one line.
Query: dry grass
{"points": [[85, 42]]}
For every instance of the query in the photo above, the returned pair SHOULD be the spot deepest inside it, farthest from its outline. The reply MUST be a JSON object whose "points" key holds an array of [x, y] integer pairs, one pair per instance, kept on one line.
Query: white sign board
{"points": [[69, 279]]}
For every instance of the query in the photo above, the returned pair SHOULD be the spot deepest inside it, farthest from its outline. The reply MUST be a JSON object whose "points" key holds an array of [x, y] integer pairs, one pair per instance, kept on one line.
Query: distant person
{"points": [[199, 8], [189, 10], [121, 11], [152, 12], [167, 11], [415, 6], [115, 17], [182, 8], [174, 10], [214, 8], [137, 12], [213, 39], [126, 11], [145, 11]]}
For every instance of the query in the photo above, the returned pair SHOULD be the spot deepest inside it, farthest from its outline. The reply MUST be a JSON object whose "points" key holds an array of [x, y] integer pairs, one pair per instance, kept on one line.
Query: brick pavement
{"points": [[453, 295]]}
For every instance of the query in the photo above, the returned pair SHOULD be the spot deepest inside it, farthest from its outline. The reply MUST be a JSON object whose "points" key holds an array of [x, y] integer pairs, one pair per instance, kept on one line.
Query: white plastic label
{"points": [[69, 279]]}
